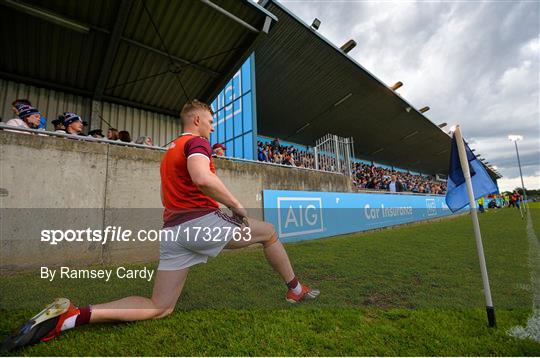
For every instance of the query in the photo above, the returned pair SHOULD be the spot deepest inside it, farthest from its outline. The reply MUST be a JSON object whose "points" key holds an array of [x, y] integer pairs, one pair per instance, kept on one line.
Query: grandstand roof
{"points": [[307, 87], [102, 48]]}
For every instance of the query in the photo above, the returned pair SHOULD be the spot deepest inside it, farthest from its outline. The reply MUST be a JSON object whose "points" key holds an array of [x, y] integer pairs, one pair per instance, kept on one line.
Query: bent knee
{"points": [[272, 237], [163, 312]]}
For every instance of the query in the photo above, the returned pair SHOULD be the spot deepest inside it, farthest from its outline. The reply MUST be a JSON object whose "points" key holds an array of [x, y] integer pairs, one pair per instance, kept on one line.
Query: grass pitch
{"points": [[414, 290]]}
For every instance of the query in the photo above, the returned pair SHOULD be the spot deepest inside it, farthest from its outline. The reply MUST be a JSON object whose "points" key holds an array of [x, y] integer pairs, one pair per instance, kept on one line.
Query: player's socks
{"points": [[77, 319], [295, 286], [47, 324]]}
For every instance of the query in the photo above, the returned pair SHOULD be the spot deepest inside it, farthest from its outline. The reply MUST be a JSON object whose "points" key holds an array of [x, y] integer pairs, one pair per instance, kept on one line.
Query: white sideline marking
{"points": [[532, 330]]}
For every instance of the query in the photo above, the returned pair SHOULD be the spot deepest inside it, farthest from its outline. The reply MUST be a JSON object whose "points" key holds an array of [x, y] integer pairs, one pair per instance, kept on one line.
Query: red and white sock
{"points": [[83, 317], [295, 286]]}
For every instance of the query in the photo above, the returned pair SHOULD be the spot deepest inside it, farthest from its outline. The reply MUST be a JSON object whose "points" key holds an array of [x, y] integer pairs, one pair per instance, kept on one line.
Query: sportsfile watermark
{"points": [[119, 234]]}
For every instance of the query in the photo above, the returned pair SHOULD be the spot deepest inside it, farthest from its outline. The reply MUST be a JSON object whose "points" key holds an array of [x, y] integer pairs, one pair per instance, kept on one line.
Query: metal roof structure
{"points": [[307, 87], [148, 54]]}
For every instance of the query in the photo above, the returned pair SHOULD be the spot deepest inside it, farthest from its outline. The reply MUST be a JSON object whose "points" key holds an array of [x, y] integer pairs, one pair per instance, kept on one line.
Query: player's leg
{"points": [[261, 232], [62, 315], [167, 288], [264, 233]]}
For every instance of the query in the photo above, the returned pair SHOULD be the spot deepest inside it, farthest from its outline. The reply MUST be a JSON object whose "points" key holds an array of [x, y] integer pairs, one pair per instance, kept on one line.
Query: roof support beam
{"points": [[46, 84], [112, 48], [83, 93], [176, 59], [230, 16]]}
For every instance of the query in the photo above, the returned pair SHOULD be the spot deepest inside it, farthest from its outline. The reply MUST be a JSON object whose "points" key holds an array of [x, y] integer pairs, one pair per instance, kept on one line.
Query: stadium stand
{"points": [[364, 176]]}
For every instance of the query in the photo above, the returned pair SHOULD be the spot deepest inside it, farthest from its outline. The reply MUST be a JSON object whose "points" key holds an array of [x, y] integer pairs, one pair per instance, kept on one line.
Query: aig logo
{"points": [[297, 216]]}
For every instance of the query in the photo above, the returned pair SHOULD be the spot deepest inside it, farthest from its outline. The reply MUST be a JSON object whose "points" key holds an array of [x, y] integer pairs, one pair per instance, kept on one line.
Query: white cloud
{"points": [[530, 182], [474, 63]]}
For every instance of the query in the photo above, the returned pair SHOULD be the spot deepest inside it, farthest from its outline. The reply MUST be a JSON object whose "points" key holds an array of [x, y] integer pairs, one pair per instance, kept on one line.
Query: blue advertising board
{"points": [[235, 120], [302, 215]]}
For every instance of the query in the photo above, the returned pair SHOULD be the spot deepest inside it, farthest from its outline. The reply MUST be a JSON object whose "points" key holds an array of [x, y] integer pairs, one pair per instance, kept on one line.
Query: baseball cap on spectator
{"points": [[219, 145], [70, 117], [25, 110]]}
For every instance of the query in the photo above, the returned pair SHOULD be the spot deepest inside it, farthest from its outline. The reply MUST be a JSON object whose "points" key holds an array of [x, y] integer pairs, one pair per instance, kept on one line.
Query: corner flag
{"points": [[456, 193], [467, 181]]}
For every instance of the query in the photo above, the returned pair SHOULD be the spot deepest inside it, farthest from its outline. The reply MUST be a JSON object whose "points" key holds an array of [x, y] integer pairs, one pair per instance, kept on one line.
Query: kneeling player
{"points": [[190, 192]]}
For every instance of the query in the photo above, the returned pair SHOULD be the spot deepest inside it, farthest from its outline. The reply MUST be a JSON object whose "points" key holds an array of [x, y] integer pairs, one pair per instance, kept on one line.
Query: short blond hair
{"points": [[192, 106]]}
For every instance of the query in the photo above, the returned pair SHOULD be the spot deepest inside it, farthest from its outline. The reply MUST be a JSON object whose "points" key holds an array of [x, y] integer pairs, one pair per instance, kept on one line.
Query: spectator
{"points": [[218, 150], [112, 134], [96, 133], [262, 155], [18, 102], [481, 205], [395, 186], [58, 124], [145, 140], [29, 117], [124, 136], [43, 120], [73, 123]]}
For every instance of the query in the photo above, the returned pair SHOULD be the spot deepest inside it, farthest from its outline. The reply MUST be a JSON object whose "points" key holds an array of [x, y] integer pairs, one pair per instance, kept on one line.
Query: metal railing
{"points": [[334, 153], [83, 138]]}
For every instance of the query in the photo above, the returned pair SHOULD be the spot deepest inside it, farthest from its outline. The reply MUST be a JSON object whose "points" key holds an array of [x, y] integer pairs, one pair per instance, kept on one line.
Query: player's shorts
{"points": [[195, 240]]}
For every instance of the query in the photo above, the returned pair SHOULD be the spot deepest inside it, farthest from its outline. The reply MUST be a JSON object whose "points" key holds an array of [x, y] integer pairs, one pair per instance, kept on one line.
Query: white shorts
{"points": [[195, 240]]}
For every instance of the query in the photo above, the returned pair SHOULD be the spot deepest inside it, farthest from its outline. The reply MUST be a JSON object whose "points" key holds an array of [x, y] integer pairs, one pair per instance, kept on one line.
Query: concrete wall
{"points": [[58, 183]]}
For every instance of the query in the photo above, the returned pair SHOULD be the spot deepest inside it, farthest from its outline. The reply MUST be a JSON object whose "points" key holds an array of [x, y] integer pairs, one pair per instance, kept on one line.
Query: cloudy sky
{"points": [[474, 63]]}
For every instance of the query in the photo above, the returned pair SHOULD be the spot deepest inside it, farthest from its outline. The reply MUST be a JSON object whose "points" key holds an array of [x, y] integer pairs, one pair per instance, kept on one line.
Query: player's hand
{"points": [[240, 213]]}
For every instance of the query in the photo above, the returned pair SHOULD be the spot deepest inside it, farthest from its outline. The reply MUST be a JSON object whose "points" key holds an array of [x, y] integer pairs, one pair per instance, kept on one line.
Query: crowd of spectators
{"points": [[367, 176], [273, 152], [364, 176], [27, 116]]}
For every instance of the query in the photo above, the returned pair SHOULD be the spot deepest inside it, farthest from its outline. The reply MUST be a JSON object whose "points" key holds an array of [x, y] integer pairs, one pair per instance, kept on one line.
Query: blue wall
{"points": [[301, 215], [235, 114]]}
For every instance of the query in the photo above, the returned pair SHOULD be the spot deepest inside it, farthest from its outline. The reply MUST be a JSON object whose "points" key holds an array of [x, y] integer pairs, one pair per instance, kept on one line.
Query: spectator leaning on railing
{"points": [[218, 150], [96, 133], [29, 117], [58, 124], [145, 140], [112, 134], [73, 123], [15, 103], [124, 136]]}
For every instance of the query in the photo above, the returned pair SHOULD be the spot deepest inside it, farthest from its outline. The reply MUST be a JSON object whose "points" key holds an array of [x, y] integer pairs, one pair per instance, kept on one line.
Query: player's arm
{"points": [[210, 184]]}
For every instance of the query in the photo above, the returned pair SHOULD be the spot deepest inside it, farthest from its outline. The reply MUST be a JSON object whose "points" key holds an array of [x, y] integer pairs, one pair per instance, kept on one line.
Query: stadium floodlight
{"points": [[494, 167], [316, 23], [452, 129], [47, 16], [348, 46], [473, 150], [396, 85], [442, 125], [346, 97], [515, 139], [425, 109]]}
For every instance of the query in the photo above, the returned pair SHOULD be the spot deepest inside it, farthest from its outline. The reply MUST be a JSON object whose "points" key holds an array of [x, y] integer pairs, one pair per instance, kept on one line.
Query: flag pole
{"points": [[476, 225]]}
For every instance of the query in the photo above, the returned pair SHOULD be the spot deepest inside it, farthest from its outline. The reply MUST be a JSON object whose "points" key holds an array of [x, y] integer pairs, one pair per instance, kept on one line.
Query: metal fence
{"points": [[334, 154]]}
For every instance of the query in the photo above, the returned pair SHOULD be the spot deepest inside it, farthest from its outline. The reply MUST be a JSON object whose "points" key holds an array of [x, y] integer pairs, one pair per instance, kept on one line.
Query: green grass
{"points": [[414, 290]]}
